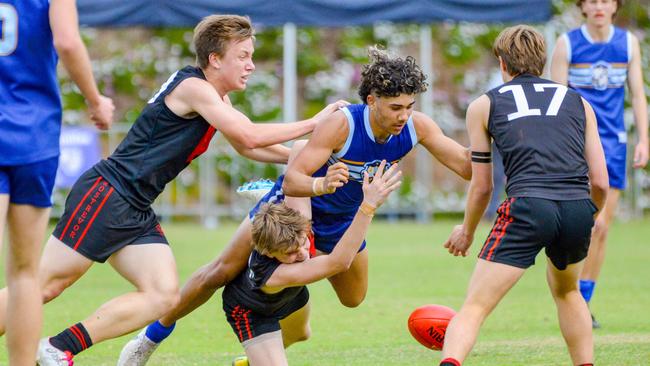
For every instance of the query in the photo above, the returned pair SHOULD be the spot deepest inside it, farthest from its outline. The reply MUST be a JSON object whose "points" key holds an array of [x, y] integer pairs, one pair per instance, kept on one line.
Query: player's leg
{"points": [[295, 327], [4, 206], [59, 268], [203, 283], [208, 279], [30, 189], [24, 315], [151, 268], [351, 286], [573, 314], [266, 350], [489, 283], [566, 257], [596, 256]]}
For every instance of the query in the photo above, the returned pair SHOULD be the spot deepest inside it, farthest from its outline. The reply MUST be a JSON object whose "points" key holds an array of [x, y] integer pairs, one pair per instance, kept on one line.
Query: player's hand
{"points": [[640, 155], [337, 175], [102, 113], [383, 183], [329, 109], [459, 241]]}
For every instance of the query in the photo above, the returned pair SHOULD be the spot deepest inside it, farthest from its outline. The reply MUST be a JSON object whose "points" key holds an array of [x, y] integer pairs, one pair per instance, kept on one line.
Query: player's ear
{"points": [[214, 60], [370, 100]]}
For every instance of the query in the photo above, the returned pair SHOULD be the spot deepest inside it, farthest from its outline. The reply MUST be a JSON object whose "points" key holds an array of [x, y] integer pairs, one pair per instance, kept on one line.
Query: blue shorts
{"points": [[329, 228], [29, 184], [615, 157]]}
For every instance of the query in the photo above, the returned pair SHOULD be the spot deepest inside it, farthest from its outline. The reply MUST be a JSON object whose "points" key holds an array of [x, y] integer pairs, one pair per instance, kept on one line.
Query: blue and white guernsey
{"points": [[361, 153], [598, 71], [333, 213], [30, 106]]}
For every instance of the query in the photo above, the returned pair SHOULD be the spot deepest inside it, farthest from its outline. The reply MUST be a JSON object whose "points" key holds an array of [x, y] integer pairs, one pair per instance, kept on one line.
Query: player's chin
{"points": [[397, 129], [241, 85]]}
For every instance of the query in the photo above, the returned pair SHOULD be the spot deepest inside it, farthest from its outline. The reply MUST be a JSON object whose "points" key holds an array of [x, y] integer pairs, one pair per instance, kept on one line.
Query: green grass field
{"points": [[408, 268]]}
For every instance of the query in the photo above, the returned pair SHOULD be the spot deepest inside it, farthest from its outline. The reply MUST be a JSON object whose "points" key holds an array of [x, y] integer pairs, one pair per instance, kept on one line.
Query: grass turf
{"points": [[408, 268]]}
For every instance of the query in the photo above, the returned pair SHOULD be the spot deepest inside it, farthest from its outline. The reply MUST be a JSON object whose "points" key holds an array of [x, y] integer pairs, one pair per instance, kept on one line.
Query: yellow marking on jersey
{"points": [[620, 65], [360, 163]]}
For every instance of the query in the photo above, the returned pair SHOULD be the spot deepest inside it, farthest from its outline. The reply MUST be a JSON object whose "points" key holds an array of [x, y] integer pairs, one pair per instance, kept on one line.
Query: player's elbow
{"points": [[466, 172], [66, 45], [339, 264], [251, 141], [600, 186], [287, 183]]}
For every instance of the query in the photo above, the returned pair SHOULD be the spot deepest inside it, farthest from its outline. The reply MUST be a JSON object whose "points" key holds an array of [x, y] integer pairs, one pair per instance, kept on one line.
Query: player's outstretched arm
{"points": [[72, 52], [194, 95], [480, 187], [598, 178], [559, 62], [639, 104], [278, 154], [449, 152], [314, 269], [329, 136]]}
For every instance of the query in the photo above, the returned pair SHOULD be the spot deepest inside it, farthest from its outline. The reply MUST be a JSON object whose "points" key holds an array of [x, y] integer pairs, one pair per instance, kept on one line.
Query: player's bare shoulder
{"points": [[189, 94], [425, 125], [479, 110], [333, 130]]}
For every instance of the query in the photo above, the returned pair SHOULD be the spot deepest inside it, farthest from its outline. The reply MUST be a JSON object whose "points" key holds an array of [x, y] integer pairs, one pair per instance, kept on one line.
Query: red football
{"points": [[428, 325]]}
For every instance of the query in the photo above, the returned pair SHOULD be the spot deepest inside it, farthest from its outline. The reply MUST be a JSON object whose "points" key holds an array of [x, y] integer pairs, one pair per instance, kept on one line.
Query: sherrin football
{"points": [[428, 325]]}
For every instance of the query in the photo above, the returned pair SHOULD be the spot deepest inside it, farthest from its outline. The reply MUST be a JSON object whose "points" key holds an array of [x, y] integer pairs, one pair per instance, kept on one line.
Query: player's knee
{"points": [[304, 335], [297, 335], [52, 289], [21, 267], [561, 290], [163, 299], [352, 301]]}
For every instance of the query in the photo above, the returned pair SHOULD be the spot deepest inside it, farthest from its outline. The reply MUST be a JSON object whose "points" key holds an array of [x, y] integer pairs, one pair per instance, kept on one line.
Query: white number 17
{"points": [[521, 103]]}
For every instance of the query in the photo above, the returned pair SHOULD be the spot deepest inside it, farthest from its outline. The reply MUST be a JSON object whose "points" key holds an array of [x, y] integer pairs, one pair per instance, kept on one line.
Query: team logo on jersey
{"points": [[600, 75], [372, 167]]}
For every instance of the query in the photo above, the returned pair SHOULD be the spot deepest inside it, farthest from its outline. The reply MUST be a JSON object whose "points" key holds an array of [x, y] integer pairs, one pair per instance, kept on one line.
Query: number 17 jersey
{"points": [[538, 126]]}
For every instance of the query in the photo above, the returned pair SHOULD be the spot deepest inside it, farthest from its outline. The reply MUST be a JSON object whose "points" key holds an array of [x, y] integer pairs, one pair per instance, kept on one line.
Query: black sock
{"points": [[74, 339], [449, 362]]}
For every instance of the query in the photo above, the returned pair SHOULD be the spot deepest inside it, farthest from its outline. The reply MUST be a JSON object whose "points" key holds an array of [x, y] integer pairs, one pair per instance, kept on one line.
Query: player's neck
{"points": [[379, 135], [599, 33], [214, 79]]}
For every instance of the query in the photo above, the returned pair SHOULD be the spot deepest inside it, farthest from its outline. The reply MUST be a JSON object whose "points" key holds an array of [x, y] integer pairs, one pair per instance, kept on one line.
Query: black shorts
{"points": [[248, 324], [525, 225], [98, 222]]}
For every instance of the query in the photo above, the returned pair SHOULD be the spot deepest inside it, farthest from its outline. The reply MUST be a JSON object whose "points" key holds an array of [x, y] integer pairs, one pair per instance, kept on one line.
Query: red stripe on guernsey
{"points": [[235, 316], [248, 325], [80, 337], [503, 231], [90, 223], [203, 144], [79, 206]]}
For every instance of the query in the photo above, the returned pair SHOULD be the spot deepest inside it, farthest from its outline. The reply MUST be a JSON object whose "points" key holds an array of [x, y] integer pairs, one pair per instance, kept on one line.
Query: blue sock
{"points": [[157, 332], [587, 289]]}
